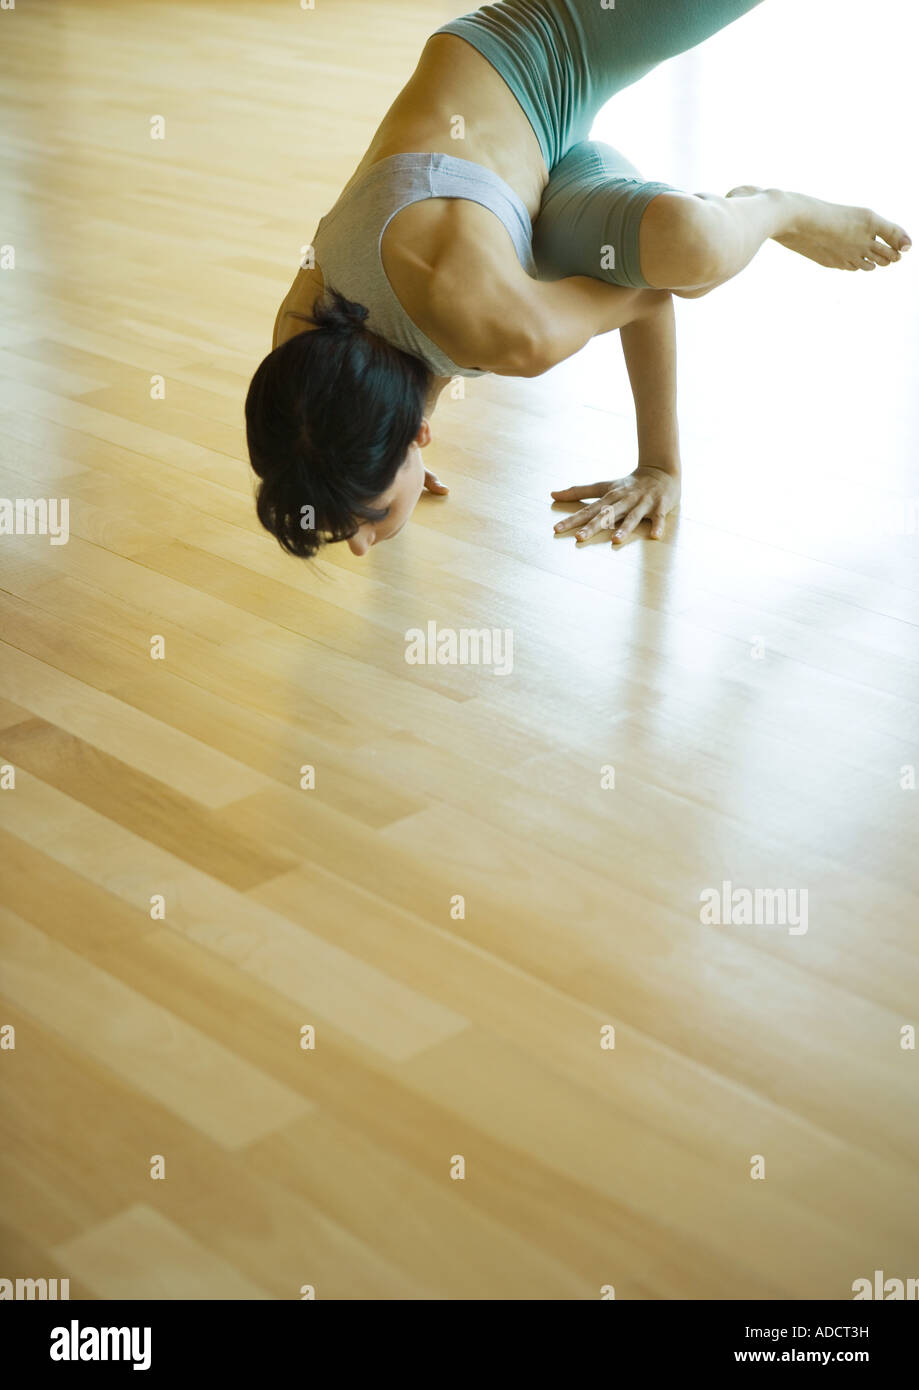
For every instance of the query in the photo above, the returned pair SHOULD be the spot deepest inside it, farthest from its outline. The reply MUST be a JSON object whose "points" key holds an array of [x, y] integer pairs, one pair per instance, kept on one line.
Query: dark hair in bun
{"points": [[337, 314], [330, 415]]}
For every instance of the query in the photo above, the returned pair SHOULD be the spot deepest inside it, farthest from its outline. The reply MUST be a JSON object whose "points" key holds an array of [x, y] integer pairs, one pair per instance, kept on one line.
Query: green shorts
{"points": [[563, 60]]}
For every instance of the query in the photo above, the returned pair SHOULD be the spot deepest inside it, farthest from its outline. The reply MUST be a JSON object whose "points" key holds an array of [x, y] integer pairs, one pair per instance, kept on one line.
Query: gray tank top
{"points": [[347, 240]]}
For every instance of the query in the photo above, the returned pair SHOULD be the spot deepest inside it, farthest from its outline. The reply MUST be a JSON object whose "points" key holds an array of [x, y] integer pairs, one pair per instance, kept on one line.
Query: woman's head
{"points": [[335, 424]]}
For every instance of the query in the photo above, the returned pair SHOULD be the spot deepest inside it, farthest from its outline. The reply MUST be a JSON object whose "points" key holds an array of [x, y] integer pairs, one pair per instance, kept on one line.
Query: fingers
{"points": [[576, 519], [658, 520], [612, 492], [581, 493], [621, 510], [605, 519], [603, 516], [433, 483], [628, 523]]}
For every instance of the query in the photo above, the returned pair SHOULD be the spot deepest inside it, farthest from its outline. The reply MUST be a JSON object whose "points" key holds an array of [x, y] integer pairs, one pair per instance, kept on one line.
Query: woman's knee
{"points": [[680, 242], [650, 303]]}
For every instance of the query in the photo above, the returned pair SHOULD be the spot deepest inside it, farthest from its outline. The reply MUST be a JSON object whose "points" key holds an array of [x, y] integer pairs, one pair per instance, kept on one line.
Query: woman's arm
{"points": [[479, 305], [649, 347], [513, 325], [653, 489], [565, 314]]}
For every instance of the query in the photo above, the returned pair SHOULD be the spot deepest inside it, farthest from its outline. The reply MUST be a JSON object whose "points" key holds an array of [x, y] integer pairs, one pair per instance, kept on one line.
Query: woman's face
{"points": [[400, 498]]}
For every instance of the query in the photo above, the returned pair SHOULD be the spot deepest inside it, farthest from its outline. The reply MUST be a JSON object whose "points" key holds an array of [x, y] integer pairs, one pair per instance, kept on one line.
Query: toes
{"points": [[894, 236], [865, 264], [882, 254]]}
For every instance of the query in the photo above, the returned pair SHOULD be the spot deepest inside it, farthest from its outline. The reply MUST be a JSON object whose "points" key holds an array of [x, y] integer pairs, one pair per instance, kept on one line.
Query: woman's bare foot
{"points": [[843, 238]]}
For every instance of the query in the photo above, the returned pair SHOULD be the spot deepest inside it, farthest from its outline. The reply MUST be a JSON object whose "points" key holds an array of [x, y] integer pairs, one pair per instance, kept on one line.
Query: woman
{"points": [[506, 255]]}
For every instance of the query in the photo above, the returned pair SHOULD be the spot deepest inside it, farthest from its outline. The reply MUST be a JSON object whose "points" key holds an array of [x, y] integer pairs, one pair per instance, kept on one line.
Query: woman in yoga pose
{"points": [[507, 259]]}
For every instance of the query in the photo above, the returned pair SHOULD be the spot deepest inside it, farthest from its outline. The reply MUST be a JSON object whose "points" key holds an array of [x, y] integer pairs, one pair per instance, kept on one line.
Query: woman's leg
{"points": [[599, 217], [564, 59], [590, 217], [691, 243]]}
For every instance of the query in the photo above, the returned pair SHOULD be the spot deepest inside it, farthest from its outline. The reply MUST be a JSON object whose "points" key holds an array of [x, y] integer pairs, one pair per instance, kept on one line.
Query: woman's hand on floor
{"points": [[649, 493], [433, 484]]}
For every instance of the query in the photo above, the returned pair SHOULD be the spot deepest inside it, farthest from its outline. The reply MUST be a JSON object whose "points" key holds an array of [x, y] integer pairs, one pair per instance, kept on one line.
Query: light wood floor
{"points": [[438, 1036]]}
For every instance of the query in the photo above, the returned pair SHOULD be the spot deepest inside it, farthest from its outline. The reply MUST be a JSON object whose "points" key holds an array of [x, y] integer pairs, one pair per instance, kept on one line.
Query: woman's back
{"points": [[455, 104], [453, 80]]}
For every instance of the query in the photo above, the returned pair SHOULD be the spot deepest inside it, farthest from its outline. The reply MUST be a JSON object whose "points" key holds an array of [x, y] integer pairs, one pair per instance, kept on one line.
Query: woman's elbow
{"points": [[527, 352]]}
